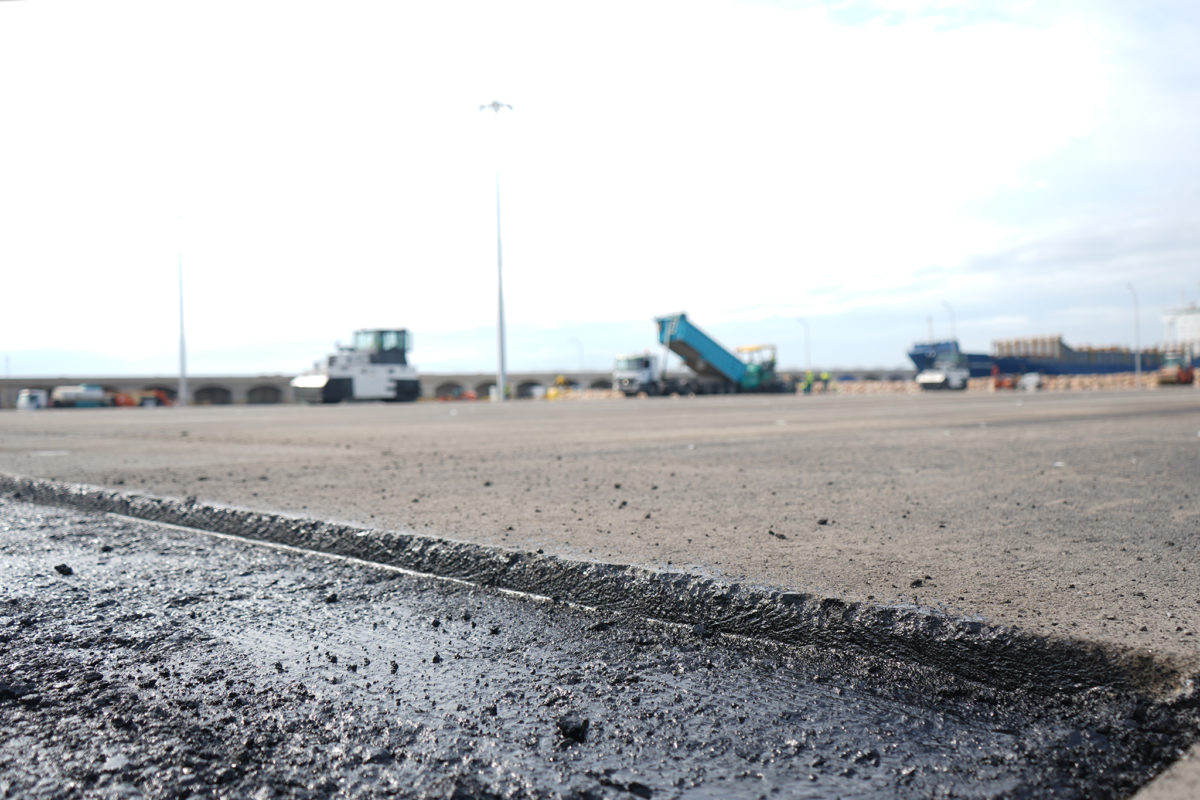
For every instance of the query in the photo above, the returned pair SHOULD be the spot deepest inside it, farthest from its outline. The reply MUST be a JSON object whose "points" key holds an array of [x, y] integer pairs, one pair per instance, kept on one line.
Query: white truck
{"points": [[32, 399], [948, 372], [374, 367], [636, 373]]}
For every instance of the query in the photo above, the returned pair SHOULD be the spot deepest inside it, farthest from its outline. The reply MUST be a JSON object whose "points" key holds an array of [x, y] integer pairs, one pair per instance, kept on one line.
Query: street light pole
{"points": [[953, 333], [1137, 339], [579, 345], [182, 394], [807, 345], [501, 371]]}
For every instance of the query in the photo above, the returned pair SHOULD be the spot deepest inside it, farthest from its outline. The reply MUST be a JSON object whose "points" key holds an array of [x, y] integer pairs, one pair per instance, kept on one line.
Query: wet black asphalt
{"points": [[138, 659]]}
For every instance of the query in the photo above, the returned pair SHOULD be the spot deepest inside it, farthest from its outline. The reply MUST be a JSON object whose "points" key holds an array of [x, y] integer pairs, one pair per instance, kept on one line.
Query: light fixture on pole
{"points": [[1137, 339], [501, 369]]}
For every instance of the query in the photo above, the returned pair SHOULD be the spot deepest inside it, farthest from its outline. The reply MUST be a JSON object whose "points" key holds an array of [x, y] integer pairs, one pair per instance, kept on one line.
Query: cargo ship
{"points": [[1047, 355], [1050, 355], [925, 354]]}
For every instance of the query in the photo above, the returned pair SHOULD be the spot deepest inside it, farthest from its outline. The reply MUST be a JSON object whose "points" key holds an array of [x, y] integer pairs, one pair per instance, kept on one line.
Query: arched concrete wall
{"points": [[238, 387], [212, 395], [530, 389], [264, 395]]}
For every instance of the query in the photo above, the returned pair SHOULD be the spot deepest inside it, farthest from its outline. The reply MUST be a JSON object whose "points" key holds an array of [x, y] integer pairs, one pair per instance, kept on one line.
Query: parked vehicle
{"points": [[715, 370], [1030, 382], [83, 395], [32, 399], [374, 367], [949, 372], [150, 398], [1176, 369], [636, 374]]}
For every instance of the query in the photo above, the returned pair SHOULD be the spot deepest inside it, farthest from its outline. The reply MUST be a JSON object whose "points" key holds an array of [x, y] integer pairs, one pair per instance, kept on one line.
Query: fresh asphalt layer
{"points": [[1073, 517], [150, 660]]}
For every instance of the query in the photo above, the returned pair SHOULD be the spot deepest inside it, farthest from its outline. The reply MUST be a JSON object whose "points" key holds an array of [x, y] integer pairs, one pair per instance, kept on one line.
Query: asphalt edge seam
{"points": [[996, 656]]}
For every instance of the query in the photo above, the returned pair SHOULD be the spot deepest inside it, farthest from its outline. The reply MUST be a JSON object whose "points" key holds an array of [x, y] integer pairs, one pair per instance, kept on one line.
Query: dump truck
{"points": [[374, 367], [714, 369]]}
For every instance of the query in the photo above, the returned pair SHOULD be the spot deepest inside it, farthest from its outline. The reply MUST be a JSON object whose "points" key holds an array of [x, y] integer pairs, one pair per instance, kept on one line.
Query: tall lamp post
{"points": [[953, 333], [501, 372], [579, 346], [1137, 339], [181, 397]]}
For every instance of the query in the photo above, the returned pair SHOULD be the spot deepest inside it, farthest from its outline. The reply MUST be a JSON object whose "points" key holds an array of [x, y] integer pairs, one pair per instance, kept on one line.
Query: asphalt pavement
{"points": [[1073, 517], [153, 660]]}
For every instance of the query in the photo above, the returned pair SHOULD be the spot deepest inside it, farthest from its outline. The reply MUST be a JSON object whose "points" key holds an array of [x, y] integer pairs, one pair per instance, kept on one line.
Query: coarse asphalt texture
{"points": [[1073, 517], [157, 661]]}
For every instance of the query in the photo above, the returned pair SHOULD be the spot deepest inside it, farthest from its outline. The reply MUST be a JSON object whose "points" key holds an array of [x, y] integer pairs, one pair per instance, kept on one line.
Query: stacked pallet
{"points": [[1119, 381], [875, 387], [1115, 382]]}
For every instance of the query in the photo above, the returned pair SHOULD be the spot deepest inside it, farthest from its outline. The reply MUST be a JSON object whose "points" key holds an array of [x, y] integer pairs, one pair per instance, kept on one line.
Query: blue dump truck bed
{"points": [[701, 354]]}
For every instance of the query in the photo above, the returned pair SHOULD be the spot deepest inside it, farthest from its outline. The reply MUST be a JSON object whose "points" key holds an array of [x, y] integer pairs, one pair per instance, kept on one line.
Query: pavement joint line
{"points": [[352, 560], [997, 656], [290, 548], [306, 551]]}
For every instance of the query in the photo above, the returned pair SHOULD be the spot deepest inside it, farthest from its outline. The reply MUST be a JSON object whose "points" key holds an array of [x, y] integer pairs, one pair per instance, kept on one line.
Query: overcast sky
{"points": [[877, 168]]}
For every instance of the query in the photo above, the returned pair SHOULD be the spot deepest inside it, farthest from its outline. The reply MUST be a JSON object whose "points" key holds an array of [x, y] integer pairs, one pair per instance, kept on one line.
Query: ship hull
{"points": [[1074, 362], [1017, 365], [925, 355]]}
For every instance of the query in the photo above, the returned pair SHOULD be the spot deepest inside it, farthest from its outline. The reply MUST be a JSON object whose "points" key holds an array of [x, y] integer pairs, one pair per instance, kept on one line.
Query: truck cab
{"points": [[948, 372], [33, 399], [633, 374]]}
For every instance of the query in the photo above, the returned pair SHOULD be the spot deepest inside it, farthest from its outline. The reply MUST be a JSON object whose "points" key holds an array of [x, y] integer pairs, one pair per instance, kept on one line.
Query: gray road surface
{"points": [[1075, 516]]}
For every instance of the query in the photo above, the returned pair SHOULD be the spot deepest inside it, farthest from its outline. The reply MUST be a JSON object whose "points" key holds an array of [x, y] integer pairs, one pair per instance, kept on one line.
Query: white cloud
{"points": [[323, 169]]}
